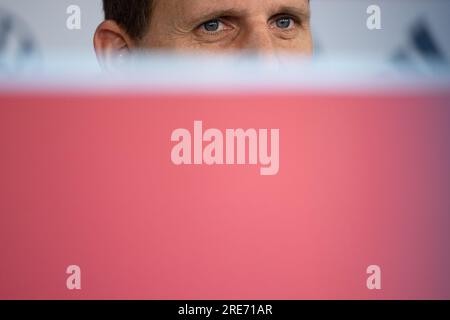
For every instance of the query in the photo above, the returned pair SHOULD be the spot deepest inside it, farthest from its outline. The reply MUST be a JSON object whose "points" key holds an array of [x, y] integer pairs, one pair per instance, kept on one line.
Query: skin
{"points": [[220, 26]]}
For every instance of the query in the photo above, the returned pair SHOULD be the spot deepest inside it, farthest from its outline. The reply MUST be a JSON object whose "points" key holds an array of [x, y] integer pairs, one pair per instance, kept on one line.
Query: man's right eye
{"points": [[214, 30], [212, 25]]}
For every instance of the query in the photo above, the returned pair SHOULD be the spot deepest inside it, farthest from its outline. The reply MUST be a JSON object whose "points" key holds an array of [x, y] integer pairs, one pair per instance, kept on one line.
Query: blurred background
{"points": [[414, 32]]}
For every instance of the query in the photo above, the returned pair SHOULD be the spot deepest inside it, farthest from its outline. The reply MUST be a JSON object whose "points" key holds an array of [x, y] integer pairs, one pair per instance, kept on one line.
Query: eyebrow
{"points": [[303, 13], [232, 12]]}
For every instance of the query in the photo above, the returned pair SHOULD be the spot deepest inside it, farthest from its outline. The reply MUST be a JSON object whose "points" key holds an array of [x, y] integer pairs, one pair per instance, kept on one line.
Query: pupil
{"points": [[283, 23], [212, 25]]}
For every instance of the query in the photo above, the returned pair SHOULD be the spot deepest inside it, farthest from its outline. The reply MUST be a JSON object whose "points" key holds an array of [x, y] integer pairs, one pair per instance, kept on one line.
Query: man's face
{"points": [[268, 26]]}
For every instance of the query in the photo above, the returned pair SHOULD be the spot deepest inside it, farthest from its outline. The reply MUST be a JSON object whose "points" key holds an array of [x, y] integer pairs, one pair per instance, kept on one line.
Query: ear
{"points": [[111, 44]]}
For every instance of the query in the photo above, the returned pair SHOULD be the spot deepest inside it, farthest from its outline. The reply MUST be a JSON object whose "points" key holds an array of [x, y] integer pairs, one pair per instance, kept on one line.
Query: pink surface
{"points": [[89, 181]]}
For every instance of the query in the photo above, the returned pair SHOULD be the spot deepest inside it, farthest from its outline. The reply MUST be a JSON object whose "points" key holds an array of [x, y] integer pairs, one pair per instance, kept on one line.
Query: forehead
{"points": [[189, 8]]}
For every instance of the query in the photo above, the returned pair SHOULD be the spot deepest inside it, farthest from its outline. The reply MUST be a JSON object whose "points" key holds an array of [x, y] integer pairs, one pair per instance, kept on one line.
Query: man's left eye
{"points": [[284, 23]]}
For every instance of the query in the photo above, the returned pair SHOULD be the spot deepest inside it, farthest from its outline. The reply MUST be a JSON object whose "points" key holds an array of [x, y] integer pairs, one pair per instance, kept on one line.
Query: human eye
{"points": [[213, 27], [214, 30], [284, 23]]}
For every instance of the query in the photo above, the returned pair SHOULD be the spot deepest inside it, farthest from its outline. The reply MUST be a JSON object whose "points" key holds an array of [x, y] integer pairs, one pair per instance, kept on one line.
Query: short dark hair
{"points": [[132, 15]]}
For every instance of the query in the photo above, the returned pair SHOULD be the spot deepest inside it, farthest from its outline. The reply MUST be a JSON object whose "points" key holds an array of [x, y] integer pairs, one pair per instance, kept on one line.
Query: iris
{"points": [[212, 26], [284, 23]]}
